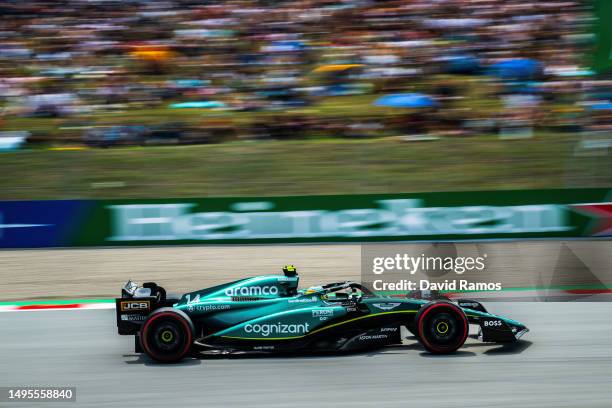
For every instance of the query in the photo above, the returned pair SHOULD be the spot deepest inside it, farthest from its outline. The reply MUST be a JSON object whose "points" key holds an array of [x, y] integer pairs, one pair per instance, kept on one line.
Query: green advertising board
{"points": [[355, 218], [603, 30], [343, 218]]}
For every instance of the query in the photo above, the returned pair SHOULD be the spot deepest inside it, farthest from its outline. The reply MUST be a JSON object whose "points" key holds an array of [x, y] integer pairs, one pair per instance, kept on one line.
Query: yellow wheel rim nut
{"points": [[166, 336], [442, 327]]}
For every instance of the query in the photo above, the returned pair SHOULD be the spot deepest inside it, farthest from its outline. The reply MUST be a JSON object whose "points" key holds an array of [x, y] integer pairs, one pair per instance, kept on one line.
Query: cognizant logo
{"points": [[252, 291], [278, 328]]}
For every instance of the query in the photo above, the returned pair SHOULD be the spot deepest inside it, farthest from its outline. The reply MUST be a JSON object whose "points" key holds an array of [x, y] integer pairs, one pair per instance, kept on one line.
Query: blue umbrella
{"points": [[285, 46], [406, 100], [200, 105], [516, 68], [190, 83], [602, 106]]}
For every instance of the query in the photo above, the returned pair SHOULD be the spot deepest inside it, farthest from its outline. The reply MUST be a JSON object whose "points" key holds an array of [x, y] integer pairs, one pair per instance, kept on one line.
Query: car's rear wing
{"points": [[136, 303]]}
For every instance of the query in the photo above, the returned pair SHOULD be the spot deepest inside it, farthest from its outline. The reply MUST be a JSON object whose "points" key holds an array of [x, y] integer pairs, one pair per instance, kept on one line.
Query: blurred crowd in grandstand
{"points": [[209, 71]]}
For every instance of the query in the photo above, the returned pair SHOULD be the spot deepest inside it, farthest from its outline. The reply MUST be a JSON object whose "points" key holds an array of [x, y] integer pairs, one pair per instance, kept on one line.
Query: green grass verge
{"points": [[324, 166]]}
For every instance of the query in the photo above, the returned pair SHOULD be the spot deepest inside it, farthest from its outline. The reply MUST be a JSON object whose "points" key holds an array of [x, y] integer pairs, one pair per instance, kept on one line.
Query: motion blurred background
{"points": [[108, 98], [194, 142]]}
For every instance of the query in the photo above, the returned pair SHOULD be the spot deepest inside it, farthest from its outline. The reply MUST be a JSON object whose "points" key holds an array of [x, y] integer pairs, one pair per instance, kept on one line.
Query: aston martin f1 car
{"points": [[270, 314]]}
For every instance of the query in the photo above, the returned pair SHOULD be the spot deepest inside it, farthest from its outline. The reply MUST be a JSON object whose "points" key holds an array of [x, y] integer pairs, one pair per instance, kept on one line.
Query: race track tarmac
{"points": [[565, 361]]}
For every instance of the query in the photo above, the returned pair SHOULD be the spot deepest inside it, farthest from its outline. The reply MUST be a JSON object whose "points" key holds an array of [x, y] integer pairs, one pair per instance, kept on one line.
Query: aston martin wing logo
{"points": [[386, 306]]}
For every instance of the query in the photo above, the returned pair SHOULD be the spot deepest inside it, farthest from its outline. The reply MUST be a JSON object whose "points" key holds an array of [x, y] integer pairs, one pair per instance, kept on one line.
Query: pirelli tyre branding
{"points": [[285, 330], [135, 305]]}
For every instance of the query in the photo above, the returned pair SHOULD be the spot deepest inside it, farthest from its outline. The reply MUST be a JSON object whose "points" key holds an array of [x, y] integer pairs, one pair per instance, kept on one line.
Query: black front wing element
{"points": [[494, 330]]}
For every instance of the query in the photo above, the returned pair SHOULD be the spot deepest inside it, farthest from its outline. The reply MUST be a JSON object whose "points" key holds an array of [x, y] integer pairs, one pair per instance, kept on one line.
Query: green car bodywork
{"points": [[269, 313]]}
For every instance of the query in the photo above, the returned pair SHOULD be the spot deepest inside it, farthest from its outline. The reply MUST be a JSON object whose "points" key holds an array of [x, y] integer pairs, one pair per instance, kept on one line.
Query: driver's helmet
{"points": [[289, 270]]}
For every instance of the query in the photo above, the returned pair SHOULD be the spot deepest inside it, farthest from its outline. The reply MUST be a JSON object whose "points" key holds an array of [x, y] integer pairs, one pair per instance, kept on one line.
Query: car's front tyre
{"points": [[442, 327], [167, 335]]}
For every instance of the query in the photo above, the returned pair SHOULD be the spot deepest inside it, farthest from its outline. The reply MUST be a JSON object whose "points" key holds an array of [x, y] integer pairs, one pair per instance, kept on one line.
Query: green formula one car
{"points": [[270, 314]]}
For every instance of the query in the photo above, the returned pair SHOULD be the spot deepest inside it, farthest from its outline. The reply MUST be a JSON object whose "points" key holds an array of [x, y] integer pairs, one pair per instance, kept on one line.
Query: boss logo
{"points": [[135, 305], [492, 323]]}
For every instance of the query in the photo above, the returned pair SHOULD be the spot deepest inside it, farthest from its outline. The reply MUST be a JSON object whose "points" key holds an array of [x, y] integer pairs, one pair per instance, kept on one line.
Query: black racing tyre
{"points": [[442, 327], [167, 335]]}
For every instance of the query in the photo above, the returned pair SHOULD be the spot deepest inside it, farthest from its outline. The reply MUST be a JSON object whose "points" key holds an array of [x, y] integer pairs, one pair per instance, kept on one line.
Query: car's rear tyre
{"points": [[167, 335], [442, 327]]}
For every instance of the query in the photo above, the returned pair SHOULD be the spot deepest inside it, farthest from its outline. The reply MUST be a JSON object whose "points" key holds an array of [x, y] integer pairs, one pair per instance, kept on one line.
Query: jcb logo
{"points": [[134, 305]]}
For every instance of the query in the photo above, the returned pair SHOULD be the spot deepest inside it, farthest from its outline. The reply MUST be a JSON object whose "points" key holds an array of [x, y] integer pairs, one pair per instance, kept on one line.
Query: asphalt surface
{"points": [[565, 361]]}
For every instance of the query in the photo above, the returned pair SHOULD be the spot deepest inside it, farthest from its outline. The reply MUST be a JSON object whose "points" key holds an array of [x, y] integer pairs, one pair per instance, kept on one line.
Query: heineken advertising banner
{"points": [[354, 218]]}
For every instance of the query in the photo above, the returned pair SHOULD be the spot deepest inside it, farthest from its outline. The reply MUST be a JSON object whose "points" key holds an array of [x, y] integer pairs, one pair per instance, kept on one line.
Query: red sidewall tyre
{"points": [[444, 315], [167, 335]]}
